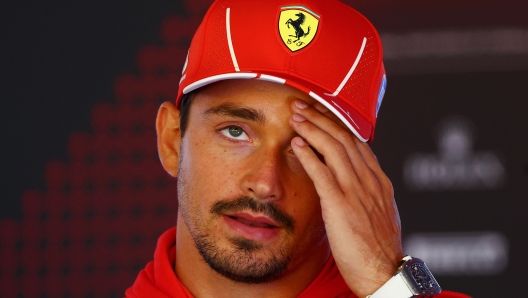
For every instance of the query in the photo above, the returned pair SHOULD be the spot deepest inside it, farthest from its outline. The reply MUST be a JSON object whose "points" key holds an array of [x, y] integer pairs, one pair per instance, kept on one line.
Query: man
{"points": [[279, 194]]}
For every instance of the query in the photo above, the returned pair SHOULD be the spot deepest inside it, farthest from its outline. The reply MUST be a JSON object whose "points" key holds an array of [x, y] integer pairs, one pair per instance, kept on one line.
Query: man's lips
{"points": [[253, 212], [257, 228], [253, 221]]}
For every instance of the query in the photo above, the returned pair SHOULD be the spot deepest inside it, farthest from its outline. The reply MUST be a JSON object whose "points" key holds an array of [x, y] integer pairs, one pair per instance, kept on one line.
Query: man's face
{"points": [[247, 202]]}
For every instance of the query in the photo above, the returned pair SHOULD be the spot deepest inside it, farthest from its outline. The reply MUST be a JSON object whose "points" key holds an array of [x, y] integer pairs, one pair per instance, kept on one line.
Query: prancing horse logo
{"points": [[297, 26], [299, 32]]}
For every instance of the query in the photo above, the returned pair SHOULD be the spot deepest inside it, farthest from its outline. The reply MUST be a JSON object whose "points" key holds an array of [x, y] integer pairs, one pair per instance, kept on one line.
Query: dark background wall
{"points": [[58, 59], [80, 83]]}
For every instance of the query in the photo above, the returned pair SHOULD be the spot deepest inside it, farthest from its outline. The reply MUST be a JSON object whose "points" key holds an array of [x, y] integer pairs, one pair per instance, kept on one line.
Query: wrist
{"points": [[411, 279], [363, 286]]}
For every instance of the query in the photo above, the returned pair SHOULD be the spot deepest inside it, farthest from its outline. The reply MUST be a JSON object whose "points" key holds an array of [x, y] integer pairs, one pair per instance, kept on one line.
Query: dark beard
{"points": [[243, 264], [248, 261]]}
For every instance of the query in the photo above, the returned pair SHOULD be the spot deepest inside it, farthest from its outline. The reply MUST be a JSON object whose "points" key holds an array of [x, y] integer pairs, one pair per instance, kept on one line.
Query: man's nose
{"points": [[263, 179]]}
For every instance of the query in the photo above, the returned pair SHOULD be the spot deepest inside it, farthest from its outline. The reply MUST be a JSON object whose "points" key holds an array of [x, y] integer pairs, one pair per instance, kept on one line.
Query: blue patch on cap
{"points": [[381, 93]]}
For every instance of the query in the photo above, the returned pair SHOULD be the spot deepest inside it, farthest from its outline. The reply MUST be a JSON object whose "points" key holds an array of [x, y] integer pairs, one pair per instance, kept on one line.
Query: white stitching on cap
{"points": [[221, 77], [338, 114], [183, 78], [271, 79], [186, 61], [351, 71], [229, 41], [346, 113]]}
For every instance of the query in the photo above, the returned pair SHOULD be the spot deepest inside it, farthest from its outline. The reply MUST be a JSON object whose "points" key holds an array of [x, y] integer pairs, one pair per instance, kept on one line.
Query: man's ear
{"points": [[169, 137]]}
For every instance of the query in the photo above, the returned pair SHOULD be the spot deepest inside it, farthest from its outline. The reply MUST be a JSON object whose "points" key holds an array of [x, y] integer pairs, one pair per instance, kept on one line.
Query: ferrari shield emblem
{"points": [[297, 26]]}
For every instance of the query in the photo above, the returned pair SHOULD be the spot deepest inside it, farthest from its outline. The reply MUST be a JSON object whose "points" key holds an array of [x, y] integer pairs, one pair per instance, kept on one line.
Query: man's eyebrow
{"points": [[232, 110]]}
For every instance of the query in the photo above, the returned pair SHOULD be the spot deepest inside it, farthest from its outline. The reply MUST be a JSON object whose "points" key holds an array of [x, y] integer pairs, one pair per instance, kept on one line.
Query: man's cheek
{"points": [[218, 175]]}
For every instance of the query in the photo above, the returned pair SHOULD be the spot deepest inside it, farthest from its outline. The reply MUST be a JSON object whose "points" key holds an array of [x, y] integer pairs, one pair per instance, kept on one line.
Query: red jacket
{"points": [[159, 280]]}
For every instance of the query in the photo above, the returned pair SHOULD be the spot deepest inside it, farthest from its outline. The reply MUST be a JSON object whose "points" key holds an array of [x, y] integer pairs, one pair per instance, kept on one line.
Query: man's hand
{"points": [[357, 198]]}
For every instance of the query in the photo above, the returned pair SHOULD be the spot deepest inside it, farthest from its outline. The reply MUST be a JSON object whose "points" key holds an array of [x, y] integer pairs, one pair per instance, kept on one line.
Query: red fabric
{"points": [[158, 278], [446, 294]]}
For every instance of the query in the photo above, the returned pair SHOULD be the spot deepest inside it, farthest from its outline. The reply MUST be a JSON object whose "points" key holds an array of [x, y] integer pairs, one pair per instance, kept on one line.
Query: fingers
{"points": [[342, 151], [320, 174], [334, 152], [357, 201], [371, 161]]}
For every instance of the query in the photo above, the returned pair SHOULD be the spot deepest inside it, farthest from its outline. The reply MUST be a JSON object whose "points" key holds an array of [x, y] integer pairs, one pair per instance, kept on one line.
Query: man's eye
{"points": [[235, 132]]}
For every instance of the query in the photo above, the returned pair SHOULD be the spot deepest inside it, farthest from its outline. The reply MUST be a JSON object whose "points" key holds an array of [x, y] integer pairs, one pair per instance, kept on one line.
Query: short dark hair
{"points": [[185, 107]]}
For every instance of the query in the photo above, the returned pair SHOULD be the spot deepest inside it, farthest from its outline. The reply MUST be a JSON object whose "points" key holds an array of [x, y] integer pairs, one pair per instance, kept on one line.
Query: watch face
{"points": [[424, 281]]}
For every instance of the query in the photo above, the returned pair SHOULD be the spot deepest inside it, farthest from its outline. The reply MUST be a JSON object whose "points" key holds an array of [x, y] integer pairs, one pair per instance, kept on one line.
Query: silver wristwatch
{"points": [[411, 279]]}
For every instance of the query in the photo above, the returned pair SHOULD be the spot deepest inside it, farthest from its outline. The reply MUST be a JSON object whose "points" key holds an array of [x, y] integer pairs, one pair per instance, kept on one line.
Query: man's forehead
{"points": [[256, 97]]}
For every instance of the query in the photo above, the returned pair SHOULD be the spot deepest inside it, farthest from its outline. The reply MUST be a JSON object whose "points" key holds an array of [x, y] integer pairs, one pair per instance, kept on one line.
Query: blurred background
{"points": [[84, 198]]}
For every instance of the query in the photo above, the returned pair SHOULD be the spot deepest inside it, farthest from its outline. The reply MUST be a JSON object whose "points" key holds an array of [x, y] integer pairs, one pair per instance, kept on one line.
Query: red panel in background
{"points": [[56, 175], [32, 231], [80, 144], [32, 203], [9, 285], [32, 285], [10, 263], [10, 245], [57, 204], [56, 232], [97, 223], [54, 284]]}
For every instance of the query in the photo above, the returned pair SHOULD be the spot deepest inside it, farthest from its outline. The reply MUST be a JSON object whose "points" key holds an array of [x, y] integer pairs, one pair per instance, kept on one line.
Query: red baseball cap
{"points": [[323, 48]]}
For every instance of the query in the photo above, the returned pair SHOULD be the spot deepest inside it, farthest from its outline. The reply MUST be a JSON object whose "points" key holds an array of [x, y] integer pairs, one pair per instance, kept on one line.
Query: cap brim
{"points": [[350, 123]]}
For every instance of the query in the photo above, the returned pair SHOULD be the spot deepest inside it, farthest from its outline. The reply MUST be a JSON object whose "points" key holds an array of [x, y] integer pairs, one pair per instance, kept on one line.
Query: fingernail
{"points": [[298, 118], [300, 104], [321, 108], [299, 142]]}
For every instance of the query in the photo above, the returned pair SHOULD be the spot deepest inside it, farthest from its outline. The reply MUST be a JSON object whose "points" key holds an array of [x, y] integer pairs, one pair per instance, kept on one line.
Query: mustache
{"points": [[248, 203]]}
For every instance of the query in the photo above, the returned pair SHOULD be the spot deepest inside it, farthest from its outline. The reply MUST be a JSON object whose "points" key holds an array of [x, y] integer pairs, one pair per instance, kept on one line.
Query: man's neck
{"points": [[202, 281]]}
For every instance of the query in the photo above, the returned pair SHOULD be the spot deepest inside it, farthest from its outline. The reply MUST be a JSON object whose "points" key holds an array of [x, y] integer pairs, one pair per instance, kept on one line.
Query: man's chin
{"points": [[249, 269], [244, 260], [246, 245]]}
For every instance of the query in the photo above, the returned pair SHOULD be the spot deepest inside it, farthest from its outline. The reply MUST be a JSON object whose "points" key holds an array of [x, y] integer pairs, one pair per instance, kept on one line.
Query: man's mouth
{"points": [[254, 222], [257, 228], [253, 216]]}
